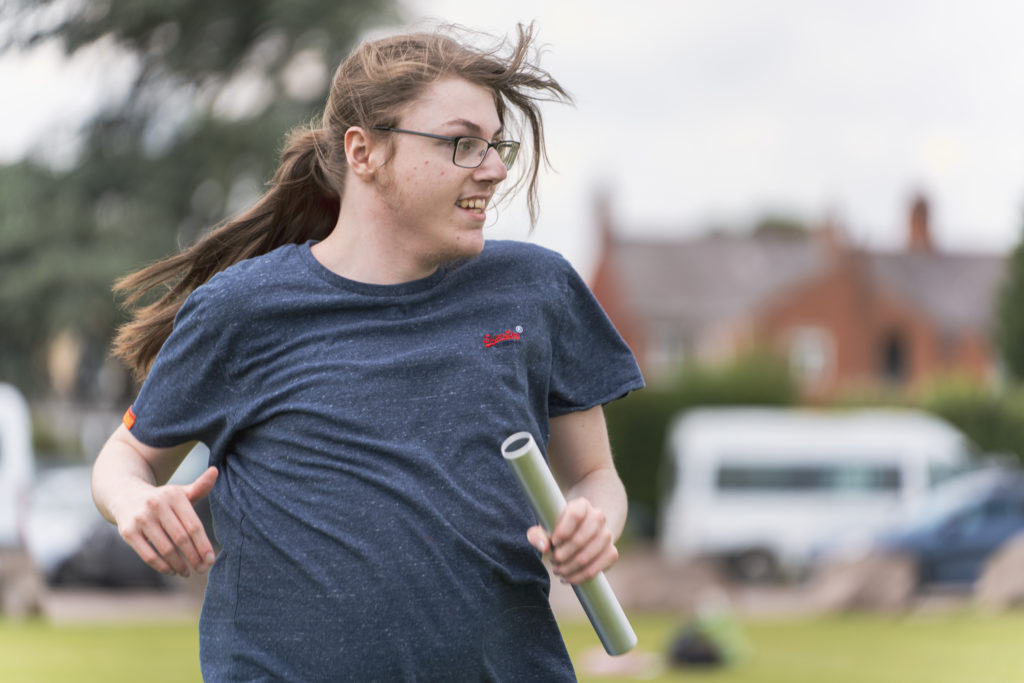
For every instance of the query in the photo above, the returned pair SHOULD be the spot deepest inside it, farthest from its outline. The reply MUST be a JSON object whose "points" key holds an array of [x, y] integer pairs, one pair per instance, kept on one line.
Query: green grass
{"points": [[38, 652], [962, 647]]}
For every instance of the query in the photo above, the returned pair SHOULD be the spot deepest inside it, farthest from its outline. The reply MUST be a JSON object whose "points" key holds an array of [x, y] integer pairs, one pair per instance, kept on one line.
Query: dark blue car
{"points": [[963, 523]]}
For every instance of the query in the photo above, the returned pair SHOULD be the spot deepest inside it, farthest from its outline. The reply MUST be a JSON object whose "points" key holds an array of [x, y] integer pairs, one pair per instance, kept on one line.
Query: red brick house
{"points": [[845, 317]]}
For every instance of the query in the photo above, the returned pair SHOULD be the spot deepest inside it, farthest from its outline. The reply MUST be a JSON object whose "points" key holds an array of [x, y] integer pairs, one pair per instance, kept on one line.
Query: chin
{"points": [[469, 244]]}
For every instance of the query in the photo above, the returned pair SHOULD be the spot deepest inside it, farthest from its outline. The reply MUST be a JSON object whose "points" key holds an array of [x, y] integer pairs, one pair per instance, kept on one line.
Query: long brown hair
{"points": [[370, 88]]}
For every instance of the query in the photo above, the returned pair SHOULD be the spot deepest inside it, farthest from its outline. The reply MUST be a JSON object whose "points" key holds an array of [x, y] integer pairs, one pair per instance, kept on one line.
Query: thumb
{"points": [[202, 486]]}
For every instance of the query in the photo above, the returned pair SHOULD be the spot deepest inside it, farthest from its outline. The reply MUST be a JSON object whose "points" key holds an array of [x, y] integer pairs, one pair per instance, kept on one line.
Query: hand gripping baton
{"points": [[596, 596]]}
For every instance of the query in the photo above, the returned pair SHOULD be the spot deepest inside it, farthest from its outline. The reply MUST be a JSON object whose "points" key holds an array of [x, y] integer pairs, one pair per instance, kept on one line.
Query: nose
{"points": [[492, 169]]}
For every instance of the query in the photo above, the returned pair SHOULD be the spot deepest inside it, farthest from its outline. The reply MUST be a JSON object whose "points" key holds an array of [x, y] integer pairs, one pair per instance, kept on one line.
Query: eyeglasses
{"points": [[469, 151]]}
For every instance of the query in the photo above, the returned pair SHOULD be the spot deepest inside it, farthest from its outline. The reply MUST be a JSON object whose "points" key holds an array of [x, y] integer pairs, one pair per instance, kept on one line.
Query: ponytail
{"points": [[301, 204]]}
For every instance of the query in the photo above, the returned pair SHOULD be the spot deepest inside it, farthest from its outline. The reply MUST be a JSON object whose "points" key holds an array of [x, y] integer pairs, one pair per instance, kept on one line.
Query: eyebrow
{"points": [[472, 127]]}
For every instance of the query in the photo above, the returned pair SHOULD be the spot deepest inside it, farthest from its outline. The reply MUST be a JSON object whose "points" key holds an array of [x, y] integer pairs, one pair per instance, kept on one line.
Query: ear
{"points": [[362, 153]]}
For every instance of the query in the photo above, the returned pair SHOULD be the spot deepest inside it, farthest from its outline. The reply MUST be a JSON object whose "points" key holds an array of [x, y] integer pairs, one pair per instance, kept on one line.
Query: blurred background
{"points": [[804, 218]]}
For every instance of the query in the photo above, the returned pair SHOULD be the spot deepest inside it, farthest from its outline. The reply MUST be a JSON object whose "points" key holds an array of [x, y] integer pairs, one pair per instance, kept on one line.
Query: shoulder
{"points": [[232, 290], [525, 253], [522, 261]]}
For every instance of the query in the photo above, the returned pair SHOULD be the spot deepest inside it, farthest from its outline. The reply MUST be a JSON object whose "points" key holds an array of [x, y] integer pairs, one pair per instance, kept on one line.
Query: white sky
{"points": [[717, 111]]}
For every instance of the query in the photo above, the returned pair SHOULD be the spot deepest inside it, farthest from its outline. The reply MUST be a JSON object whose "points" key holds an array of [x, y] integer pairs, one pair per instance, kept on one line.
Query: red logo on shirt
{"points": [[506, 336]]}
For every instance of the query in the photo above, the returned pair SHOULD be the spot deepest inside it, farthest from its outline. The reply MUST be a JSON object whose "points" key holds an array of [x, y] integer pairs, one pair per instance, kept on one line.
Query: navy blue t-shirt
{"points": [[371, 529]]}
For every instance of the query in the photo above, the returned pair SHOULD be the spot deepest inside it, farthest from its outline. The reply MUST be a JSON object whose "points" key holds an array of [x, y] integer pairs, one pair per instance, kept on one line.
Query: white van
{"points": [[16, 465], [758, 488]]}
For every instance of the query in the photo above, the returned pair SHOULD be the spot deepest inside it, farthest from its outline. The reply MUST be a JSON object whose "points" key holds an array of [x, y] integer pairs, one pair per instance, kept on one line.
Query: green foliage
{"points": [[55, 271], [172, 157], [993, 421], [638, 424], [781, 226], [1009, 333]]}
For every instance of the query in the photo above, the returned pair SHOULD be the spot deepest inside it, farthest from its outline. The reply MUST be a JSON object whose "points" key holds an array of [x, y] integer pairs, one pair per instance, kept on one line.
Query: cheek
{"points": [[423, 173]]}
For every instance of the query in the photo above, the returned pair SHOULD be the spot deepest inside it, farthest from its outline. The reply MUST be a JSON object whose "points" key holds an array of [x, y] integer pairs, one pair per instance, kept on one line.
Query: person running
{"points": [[353, 352]]}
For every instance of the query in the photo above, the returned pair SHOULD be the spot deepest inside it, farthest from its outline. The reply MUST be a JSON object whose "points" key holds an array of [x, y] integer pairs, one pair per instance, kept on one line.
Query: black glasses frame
{"points": [[498, 146]]}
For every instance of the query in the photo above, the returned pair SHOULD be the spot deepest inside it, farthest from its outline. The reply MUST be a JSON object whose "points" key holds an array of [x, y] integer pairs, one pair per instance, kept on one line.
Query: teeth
{"points": [[472, 203]]}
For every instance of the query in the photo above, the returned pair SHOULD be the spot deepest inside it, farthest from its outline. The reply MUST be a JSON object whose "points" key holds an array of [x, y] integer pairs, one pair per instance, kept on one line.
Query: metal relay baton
{"points": [[596, 596]]}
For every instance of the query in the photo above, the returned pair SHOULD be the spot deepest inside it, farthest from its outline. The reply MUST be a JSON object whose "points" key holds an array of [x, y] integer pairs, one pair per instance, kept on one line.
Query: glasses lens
{"points": [[469, 152], [507, 152]]}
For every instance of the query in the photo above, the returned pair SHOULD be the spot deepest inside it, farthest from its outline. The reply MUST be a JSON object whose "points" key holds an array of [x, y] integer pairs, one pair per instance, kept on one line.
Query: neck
{"points": [[365, 246], [361, 256]]}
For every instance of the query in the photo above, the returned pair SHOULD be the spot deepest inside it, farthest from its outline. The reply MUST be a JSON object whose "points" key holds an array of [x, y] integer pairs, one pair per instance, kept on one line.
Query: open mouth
{"points": [[478, 204]]}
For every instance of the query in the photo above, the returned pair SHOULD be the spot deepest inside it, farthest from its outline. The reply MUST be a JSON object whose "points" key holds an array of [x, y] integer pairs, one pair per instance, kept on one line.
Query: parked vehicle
{"points": [[72, 544], [758, 488], [17, 465], [963, 523]]}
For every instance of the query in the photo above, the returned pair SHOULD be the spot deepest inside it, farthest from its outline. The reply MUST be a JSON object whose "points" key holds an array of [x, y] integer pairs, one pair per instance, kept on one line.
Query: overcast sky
{"points": [[703, 112]]}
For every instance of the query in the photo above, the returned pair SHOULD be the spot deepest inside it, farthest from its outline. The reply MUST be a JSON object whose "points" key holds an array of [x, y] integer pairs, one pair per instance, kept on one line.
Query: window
{"points": [[811, 355], [810, 478], [665, 351], [894, 358]]}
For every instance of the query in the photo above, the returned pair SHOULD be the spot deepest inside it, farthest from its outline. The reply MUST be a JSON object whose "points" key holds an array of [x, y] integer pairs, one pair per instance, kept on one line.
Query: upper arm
{"points": [[579, 446]]}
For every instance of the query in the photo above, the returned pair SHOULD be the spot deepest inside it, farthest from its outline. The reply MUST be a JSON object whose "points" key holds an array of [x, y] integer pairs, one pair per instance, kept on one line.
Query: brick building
{"points": [[845, 317]]}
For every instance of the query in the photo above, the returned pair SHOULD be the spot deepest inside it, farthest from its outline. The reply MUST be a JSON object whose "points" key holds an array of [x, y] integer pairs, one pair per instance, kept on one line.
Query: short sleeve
{"points": [[188, 394], [591, 363]]}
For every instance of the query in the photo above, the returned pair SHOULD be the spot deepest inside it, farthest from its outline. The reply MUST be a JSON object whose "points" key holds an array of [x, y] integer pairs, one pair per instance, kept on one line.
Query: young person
{"points": [[353, 353]]}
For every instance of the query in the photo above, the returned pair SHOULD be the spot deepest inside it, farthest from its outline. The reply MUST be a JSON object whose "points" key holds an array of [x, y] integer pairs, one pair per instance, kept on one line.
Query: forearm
{"points": [[604, 490], [595, 514], [122, 470], [118, 470]]}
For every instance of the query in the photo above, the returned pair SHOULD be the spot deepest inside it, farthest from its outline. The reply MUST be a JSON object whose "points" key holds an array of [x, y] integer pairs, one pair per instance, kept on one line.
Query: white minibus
{"points": [[760, 488]]}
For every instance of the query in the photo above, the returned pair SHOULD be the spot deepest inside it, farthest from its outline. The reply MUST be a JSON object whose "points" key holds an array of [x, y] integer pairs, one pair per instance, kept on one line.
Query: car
{"points": [[952, 534], [71, 543], [961, 526]]}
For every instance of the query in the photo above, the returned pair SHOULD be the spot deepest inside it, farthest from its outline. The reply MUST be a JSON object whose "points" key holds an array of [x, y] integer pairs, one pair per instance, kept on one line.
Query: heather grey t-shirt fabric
{"points": [[370, 529]]}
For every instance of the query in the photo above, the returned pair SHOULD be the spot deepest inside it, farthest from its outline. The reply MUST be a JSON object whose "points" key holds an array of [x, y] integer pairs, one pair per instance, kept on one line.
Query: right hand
{"points": [[160, 524]]}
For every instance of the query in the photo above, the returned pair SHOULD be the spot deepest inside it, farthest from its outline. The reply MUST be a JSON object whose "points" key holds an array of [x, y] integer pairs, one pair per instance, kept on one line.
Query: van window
{"points": [[851, 478]]}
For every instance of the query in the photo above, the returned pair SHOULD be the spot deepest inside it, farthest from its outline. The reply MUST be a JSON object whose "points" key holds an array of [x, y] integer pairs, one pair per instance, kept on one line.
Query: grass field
{"points": [[37, 652], [965, 647], [952, 648]]}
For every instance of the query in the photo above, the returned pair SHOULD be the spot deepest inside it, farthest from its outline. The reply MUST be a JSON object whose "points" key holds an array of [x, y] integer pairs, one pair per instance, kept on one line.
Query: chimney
{"points": [[919, 238]]}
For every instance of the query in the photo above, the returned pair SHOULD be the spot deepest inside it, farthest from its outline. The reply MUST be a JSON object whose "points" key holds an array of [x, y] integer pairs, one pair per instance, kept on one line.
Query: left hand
{"points": [[583, 543]]}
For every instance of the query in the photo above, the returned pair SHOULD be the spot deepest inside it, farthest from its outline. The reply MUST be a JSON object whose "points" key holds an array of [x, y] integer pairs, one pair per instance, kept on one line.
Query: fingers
{"points": [[538, 538], [583, 546], [167, 533], [135, 538]]}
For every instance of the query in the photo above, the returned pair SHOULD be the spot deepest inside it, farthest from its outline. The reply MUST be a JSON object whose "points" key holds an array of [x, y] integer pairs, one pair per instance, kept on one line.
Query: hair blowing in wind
{"points": [[370, 88]]}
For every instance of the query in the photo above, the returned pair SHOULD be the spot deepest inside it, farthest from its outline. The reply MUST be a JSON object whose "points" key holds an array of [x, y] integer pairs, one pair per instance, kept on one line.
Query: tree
{"points": [[781, 227], [217, 84], [1010, 315]]}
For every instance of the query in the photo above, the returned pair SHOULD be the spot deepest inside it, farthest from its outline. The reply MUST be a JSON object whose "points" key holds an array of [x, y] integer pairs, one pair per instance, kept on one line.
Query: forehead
{"points": [[456, 105]]}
